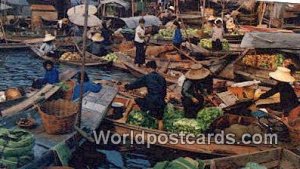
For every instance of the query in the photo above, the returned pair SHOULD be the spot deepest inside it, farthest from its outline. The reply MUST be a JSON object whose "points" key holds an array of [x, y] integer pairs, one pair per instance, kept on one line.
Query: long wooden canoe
{"points": [[38, 95], [273, 158], [121, 127], [90, 60]]}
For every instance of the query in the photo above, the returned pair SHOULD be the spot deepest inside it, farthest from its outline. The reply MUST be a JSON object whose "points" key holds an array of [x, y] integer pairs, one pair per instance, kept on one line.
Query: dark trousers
{"points": [[140, 53], [54, 54], [177, 45], [191, 109], [155, 111], [217, 45]]}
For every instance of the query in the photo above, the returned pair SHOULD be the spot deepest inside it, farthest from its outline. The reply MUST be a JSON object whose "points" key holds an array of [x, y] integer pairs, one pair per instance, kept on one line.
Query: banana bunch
{"points": [[69, 56], [16, 147]]}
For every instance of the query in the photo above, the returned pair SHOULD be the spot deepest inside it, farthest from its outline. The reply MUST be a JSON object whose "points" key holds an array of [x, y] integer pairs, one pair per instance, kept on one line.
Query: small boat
{"points": [[273, 158], [261, 73], [120, 126], [90, 59], [34, 96]]}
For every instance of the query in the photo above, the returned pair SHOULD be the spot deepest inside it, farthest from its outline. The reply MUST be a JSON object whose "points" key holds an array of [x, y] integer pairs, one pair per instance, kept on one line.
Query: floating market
{"points": [[145, 84]]}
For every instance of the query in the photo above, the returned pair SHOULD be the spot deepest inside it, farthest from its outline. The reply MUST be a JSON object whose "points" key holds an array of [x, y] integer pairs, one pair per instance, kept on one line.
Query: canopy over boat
{"points": [[133, 22], [121, 3]]}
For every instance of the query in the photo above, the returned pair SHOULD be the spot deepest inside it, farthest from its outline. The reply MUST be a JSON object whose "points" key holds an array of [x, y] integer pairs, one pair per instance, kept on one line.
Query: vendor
{"points": [[288, 98], [217, 35], [177, 37], [198, 83], [51, 76], [139, 41], [48, 47], [106, 34], [156, 85], [63, 25], [168, 16], [97, 46], [208, 26], [88, 86]]}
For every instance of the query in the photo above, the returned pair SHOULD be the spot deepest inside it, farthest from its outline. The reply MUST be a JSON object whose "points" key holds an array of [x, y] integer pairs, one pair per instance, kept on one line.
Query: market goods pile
{"points": [[16, 147], [175, 122], [239, 130], [207, 44], [187, 163], [143, 119], [252, 165], [167, 34], [264, 61], [111, 57], [70, 56]]}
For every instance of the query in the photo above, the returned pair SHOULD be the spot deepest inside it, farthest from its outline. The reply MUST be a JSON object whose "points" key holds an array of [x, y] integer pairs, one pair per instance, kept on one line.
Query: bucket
{"points": [[58, 117]]}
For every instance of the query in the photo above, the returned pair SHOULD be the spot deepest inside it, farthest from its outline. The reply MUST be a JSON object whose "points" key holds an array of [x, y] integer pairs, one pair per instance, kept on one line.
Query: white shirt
{"points": [[45, 48], [141, 31], [217, 33]]}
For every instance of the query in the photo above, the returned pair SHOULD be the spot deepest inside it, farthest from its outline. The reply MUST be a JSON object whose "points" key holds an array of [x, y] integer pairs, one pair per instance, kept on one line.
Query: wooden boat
{"points": [[44, 143], [35, 96], [119, 126], [258, 73], [273, 158], [90, 60]]}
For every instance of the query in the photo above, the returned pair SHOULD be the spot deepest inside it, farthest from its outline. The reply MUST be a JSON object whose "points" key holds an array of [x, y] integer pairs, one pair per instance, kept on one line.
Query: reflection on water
{"points": [[20, 67]]}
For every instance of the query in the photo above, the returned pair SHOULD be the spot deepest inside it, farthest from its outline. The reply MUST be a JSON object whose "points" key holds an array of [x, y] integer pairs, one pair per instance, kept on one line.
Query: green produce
{"points": [[252, 165], [207, 44], [279, 59], [112, 57], [143, 119], [170, 115], [167, 34], [179, 163], [208, 115], [187, 126]]}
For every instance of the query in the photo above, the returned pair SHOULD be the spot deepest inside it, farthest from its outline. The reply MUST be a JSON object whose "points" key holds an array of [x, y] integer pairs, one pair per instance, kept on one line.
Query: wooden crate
{"points": [[47, 12]]}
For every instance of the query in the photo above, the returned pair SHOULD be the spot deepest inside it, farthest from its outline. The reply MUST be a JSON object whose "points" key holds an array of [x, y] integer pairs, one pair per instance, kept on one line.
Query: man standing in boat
{"points": [[139, 41], [156, 86], [197, 85]]}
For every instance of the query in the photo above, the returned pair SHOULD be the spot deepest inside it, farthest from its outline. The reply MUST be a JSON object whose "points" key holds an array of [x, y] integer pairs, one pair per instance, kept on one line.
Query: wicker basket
{"points": [[58, 117]]}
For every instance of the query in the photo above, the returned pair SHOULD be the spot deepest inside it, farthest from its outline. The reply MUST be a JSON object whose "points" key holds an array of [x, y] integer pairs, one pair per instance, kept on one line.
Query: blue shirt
{"points": [[87, 87], [51, 76], [177, 38]]}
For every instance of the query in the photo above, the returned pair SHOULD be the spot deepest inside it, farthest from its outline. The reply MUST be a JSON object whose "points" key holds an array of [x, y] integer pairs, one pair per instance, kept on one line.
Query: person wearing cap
{"points": [[288, 98], [154, 101], [139, 41], [217, 35], [97, 46], [48, 47], [177, 37], [88, 86], [168, 16], [197, 85], [208, 26], [62, 24], [51, 76]]}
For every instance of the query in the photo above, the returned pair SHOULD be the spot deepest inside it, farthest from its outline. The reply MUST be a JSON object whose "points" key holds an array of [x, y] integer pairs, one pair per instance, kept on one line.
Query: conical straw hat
{"points": [[282, 74], [197, 72], [48, 37], [97, 37]]}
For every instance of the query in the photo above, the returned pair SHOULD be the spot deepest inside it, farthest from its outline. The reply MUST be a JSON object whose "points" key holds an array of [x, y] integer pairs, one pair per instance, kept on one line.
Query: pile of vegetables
{"points": [[207, 44], [175, 122], [167, 34], [143, 119], [264, 61], [112, 57], [208, 115]]}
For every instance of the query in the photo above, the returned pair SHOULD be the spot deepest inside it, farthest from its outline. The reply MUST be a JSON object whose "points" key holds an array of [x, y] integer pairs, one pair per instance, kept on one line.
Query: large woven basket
{"points": [[58, 117]]}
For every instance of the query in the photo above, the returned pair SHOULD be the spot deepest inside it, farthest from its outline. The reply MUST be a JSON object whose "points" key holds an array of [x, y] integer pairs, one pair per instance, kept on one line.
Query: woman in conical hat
{"points": [[97, 47], [198, 83], [48, 47], [288, 98]]}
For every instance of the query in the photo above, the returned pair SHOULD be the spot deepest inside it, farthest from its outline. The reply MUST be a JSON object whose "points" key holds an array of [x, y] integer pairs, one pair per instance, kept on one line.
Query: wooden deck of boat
{"points": [[95, 107]]}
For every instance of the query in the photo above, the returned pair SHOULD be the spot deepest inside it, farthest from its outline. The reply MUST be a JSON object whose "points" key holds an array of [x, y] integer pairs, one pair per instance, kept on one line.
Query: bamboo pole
{"points": [[132, 8], [83, 62]]}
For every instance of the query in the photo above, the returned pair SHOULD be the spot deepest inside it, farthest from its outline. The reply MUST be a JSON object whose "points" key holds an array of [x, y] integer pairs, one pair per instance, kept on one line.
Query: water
{"points": [[19, 67]]}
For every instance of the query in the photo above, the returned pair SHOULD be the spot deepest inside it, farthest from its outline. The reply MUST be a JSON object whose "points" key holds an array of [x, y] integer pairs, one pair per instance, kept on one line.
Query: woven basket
{"points": [[58, 117]]}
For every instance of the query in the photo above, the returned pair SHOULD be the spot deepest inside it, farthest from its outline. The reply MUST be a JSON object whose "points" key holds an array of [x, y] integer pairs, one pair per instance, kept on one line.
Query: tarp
{"points": [[271, 40], [122, 3], [283, 1], [150, 20], [18, 2], [4, 7]]}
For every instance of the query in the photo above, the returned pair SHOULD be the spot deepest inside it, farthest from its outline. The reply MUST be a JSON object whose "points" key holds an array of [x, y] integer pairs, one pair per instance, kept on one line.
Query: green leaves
{"points": [[143, 119]]}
